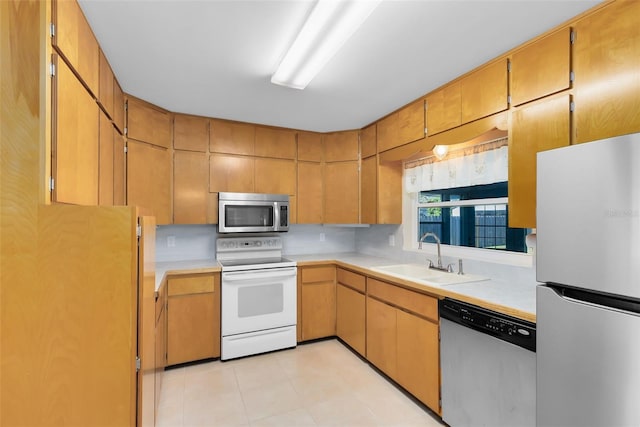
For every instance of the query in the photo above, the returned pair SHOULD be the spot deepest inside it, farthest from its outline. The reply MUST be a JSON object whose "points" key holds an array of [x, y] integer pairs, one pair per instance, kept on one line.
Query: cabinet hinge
{"points": [[52, 69], [52, 29], [509, 66], [572, 37], [126, 149], [572, 76], [509, 99], [126, 131], [52, 184], [425, 131], [572, 106], [139, 231], [138, 364]]}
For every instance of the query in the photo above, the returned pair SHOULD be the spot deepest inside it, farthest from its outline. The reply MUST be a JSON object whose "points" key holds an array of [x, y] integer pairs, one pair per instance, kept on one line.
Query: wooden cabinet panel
{"points": [[118, 106], [415, 302], [341, 193], [390, 193], [418, 353], [149, 179], [148, 123], [310, 146], [607, 67], [411, 122], [232, 138], [368, 141], [275, 176], [341, 146], [277, 143], [369, 190], [190, 133], [351, 317], [382, 336], [75, 41], [119, 170], [190, 187], [444, 109], [541, 68], [105, 96], [318, 311], [310, 195], [231, 173], [484, 92], [387, 130], [193, 318], [352, 280], [161, 344], [325, 273], [76, 132], [535, 127], [106, 162]]}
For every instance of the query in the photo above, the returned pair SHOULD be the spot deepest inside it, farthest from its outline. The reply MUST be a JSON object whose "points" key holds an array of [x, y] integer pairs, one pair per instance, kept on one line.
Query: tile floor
{"points": [[317, 384]]}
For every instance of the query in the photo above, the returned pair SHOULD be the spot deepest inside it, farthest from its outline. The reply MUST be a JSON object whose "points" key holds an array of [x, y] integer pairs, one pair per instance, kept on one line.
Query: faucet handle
{"points": [[450, 268], [460, 270], [430, 262]]}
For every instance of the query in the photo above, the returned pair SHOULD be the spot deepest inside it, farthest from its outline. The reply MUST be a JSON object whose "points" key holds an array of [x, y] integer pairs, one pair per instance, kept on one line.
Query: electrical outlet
{"points": [[322, 237], [392, 240], [171, 241]]}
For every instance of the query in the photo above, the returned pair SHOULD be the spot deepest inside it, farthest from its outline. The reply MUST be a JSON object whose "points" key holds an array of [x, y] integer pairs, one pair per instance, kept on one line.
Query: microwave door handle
{"points": [[243, 276], [276, 216]]}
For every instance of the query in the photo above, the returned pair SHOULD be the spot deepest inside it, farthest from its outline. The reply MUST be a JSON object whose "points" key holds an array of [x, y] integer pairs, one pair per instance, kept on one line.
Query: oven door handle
{"points": [[238, 276]]}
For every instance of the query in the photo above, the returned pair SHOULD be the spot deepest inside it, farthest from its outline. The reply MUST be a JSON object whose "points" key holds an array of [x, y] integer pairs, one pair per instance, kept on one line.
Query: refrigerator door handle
{"points": [[605, 302]]}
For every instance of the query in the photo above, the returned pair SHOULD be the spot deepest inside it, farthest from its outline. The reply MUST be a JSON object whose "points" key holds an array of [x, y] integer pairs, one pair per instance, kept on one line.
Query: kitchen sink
{"points": [[422, 273]]}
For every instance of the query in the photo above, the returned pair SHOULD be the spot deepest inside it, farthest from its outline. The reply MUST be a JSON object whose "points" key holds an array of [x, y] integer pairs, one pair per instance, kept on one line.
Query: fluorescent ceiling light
{"points": [[327, 28]]}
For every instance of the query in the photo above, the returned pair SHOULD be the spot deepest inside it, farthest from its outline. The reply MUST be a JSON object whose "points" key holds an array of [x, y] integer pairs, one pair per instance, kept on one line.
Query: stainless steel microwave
{"points": [[252, 212]]}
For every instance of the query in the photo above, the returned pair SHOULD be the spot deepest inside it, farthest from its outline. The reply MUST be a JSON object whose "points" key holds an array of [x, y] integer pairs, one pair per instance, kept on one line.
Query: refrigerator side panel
{"points": [[588, 216], [587, 363]]}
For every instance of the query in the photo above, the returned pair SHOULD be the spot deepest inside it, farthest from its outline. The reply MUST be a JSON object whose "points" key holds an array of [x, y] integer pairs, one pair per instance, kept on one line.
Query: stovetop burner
{"points": [[251, 253]]}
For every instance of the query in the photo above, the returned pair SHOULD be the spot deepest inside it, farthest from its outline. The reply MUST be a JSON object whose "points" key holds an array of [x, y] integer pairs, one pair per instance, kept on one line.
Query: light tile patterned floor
{"points": [[318, 384]]}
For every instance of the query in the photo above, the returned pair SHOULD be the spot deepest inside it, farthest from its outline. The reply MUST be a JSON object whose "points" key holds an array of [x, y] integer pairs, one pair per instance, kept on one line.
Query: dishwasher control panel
{"points": [[507, 328]]}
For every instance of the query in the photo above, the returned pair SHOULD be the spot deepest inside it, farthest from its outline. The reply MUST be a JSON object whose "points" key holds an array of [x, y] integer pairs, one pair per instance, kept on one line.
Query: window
{"points": [[474, 216]]}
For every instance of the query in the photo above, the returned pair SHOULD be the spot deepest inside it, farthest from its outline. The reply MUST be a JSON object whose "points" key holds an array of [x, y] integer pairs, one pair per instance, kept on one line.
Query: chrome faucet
{"points": [[437, 239]]}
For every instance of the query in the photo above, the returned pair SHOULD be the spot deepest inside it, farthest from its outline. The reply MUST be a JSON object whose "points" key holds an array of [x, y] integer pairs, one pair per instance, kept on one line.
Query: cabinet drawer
{"points": [[190, 284], [318, 274], [415, 302], [353, 280]]}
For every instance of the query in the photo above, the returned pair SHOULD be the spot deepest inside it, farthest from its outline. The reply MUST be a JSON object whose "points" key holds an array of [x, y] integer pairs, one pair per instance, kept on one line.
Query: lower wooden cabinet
{"points": [[193, 318], [161, 342], [351, 309], [382, 331], [316, 302]]}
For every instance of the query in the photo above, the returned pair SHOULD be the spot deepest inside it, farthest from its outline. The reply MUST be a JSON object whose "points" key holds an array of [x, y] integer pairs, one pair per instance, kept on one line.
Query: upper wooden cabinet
{"points": [[341, 193], [444, 109], [118, 106], [119, 169], [75, 140], [275, 176], [148, 123], [484, 91], [106, 161], [535, 127], [341, 146], [75, 41], [276, 143], [190, 187], [149, 179], [607, 69], [106, 92], [310, 146], [232, 137], [190, 133], [541, 68], [368, 141], [401, 127], [369, 190], [231, 173], [310, 197], [390, 193]]}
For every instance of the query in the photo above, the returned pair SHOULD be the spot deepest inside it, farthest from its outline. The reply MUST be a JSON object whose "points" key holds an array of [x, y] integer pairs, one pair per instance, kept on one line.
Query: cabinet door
{"points": [[382, 336], [232, 138], [390, 193], [341, 146], [106, 162], [318, 309], [231, 173], [411, 122], [310, 146], [351, 318], [190, 187], [148, 179], [148, 123], [444, 109], [535, 127], [105, 96], [541, 68], [341, 191], [310, 193], [607, 67], [275, 176], [118, 107], [369, 190], [190, 133], [387, 130], [484, 92], [368, 141], [76, 130], [75, 41], [119, 169], [418, 365], [277, 143]]}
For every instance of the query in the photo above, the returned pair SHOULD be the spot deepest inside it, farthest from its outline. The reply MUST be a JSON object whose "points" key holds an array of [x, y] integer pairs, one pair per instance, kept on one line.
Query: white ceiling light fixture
{"points": [[440, 151], [327, 28]]}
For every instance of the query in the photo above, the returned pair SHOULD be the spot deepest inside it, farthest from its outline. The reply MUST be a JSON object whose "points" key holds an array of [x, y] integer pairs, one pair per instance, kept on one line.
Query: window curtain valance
{"points": [[481, 164]]}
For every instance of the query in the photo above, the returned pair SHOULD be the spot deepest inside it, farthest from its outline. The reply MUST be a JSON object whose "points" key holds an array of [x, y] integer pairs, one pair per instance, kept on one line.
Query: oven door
{"points": [[255, 300]]}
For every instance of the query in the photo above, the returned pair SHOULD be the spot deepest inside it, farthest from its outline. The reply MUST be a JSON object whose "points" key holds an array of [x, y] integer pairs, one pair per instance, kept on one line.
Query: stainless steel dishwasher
{"points": [[488, 367]]}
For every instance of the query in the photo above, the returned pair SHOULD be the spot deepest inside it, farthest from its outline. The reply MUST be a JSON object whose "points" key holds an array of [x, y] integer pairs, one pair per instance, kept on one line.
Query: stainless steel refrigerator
{"points": [[588, 310]]}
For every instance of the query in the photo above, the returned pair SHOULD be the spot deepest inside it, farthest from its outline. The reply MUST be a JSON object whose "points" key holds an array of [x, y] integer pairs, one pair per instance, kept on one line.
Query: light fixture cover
{"points": [[327, 28], [440, 151]]}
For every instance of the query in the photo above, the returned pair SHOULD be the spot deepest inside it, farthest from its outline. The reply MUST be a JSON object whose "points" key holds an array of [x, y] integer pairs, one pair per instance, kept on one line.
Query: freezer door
{"points": [[588, 372], [588, 216]]}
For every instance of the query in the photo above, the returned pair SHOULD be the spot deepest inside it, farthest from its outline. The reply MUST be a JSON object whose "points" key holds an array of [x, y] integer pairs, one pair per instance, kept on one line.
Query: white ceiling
{"points": [[215, 58]]}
